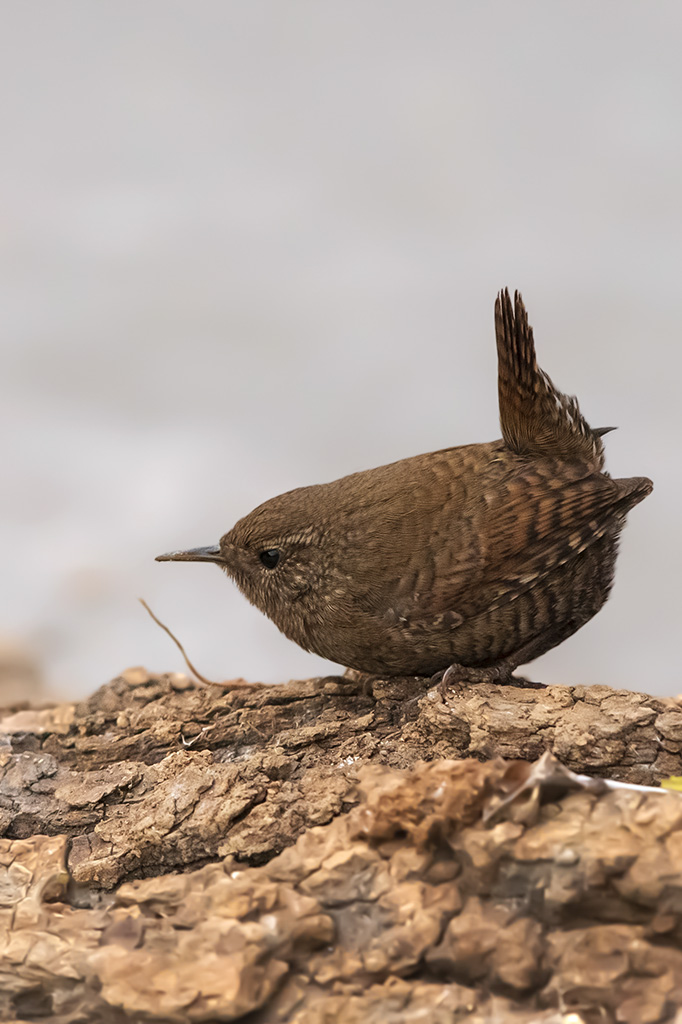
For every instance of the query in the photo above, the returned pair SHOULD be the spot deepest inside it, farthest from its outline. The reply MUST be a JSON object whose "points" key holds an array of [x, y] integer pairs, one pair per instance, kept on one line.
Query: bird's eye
{"points": [[269, 558]]}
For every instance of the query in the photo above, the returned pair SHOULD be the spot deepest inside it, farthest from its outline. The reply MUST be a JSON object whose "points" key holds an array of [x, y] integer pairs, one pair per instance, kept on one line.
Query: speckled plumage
{"points": [[482, 556]]}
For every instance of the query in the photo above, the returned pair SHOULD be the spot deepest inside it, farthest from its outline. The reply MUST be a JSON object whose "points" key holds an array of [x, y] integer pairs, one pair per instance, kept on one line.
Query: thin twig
{"points": [[231, 684]]}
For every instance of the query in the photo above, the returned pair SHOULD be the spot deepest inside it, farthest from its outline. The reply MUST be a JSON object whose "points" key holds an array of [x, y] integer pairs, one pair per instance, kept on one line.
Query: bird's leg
{"points": [[457, 676], [363, 679]]}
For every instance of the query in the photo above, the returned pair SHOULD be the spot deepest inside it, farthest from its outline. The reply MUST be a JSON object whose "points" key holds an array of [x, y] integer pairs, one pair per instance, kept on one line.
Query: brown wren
{"points": [[475, 559]]}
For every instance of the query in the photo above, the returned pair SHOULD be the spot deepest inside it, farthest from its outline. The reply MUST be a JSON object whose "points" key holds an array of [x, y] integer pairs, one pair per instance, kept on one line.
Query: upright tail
{"points": [[537, 418]]}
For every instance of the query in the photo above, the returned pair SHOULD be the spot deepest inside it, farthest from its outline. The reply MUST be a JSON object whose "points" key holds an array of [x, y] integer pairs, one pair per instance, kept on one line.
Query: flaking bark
{"points": [[161, 860]]}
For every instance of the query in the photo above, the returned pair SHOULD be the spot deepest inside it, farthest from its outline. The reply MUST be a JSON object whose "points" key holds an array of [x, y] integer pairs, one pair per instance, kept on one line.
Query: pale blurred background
{"points": [[249, 246]]}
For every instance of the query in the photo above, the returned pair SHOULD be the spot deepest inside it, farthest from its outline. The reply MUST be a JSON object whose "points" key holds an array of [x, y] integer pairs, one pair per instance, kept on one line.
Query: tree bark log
{"points": [[163, 857]]}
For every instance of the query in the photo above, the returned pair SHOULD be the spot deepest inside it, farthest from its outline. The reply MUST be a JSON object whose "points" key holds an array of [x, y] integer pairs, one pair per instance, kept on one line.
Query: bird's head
{"points": [[275, 555]]}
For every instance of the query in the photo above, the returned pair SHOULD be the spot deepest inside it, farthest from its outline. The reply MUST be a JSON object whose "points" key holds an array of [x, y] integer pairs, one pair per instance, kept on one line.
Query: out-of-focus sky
{"points": [[250, 246]]}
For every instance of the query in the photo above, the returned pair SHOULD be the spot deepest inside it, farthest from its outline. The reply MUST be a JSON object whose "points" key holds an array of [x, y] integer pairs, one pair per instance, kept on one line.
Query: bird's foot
{"points": [[456, 677], [364, 680]]}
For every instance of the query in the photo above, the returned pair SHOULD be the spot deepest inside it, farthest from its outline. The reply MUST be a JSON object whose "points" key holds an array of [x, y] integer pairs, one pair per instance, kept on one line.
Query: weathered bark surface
{"points": [[160, 859]]}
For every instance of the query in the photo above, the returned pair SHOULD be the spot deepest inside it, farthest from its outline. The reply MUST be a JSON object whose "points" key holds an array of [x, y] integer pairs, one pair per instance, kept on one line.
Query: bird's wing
{"points": [[512, 536], [548, 517]]}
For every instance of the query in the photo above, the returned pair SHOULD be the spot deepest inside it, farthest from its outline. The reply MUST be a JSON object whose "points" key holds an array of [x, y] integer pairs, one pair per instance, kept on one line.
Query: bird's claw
{"points": [[456, 677]]}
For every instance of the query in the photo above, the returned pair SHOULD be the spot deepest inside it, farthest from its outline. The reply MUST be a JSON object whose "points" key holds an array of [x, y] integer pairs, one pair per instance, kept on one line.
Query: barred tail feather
{"points": [[537, 418], [632, 490]]}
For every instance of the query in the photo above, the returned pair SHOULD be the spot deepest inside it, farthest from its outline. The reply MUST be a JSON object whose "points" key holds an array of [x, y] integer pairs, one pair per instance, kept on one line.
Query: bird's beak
{"points": [[194, 555]]}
